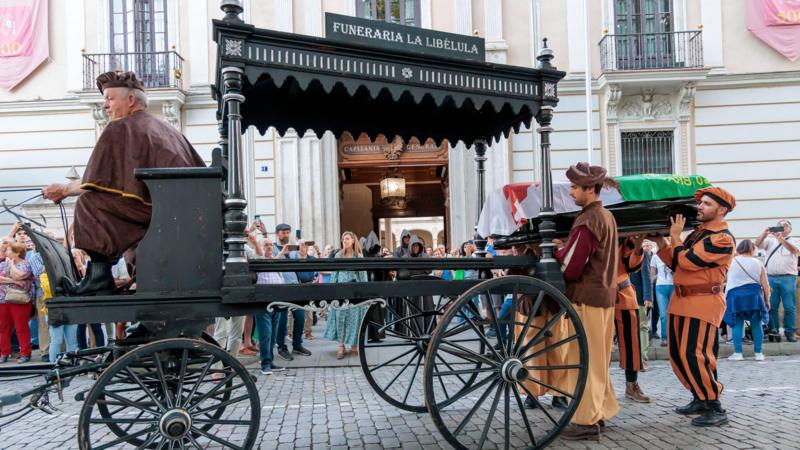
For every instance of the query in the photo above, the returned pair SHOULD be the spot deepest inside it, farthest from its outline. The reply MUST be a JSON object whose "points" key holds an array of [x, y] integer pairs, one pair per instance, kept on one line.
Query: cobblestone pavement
{"points": [[335, 408]]}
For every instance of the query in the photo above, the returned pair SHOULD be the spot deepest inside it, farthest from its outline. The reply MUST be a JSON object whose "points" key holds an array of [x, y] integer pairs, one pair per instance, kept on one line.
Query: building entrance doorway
{"points": [[387, 187]]}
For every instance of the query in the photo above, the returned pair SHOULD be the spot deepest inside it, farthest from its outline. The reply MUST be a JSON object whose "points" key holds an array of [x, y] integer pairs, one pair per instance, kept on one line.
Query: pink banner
{"points": [[781, 12], [23, 39], [777, 23]]}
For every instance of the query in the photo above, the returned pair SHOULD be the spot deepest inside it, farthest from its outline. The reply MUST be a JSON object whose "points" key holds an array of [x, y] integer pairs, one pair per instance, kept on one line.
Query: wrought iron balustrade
{"points": [[652, 51], [155, 69]]}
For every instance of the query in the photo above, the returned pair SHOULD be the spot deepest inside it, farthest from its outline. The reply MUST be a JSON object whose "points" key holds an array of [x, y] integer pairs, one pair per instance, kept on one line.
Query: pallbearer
{"points": [[700, 263], [626, 317], [589, 262]]}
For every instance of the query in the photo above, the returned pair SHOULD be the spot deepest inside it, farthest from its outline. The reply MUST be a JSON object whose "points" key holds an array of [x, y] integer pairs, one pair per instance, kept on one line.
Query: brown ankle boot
{"points": [[634, 392], [575, 432]]}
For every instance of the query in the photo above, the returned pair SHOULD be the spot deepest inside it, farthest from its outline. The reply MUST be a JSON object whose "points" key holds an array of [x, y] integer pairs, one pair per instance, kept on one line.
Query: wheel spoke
{"points": [[390, 344], [194, 441], [216, 439], [480, 334], [451, 367], [441, 382], [181, 375], [413, 376], [148, 441], [525, 416], [212, 391], [122, 439], [145, 389], [222, 422], [564, 367], [550, 347], [512, 321], [506, 425], [463, 372], [162, 380], [491, 416], [531, 315], [475, 408], [399, 373], [112, 420], [469, 390], [478, 358], [493, 316], [392, 360], [412, 320], [123, 406], [135, 404], [203, 373], [542, 334], [539, 405], [552, 388], [221, 404]]}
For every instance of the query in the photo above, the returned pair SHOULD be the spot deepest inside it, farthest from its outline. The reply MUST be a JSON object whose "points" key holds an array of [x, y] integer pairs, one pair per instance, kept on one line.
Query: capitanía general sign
{"points": [[385, 35]]}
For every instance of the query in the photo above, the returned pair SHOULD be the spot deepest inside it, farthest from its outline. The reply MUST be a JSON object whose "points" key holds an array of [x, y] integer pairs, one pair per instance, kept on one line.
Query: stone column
{"points": [[612, 101], [684, 117]]}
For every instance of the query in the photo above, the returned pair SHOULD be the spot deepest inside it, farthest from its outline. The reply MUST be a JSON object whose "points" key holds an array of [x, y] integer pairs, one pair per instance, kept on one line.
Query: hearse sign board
{"points": [[385, 35]]}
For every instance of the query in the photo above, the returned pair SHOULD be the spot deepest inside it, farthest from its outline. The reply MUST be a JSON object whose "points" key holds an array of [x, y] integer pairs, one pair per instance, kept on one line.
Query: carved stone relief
{"points": [[646, 106]]}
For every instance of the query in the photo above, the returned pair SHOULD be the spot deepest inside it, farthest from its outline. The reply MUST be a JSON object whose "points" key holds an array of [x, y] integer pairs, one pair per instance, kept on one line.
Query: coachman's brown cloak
{"points": [[115, 212]]}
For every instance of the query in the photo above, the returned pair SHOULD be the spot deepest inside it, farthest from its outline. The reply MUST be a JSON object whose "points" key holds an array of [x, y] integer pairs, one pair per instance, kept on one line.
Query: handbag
{"points": [[17, 296]]}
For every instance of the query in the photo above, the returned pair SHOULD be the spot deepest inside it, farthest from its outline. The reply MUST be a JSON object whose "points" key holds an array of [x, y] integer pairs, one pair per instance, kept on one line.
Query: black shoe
{"points": [[135, 331], [300, 350], [530, 403], [3, 359], [24, 359], [713, 416], [790, 337], [696, 406], [285, 354], [97, 281], [560, 402]]}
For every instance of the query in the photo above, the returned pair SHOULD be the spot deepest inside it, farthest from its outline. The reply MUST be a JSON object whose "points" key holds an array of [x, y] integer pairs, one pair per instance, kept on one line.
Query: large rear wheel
{"points": [[543, 356]]}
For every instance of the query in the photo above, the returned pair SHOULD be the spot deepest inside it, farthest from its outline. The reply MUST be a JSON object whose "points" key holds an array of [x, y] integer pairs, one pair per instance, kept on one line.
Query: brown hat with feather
{"points": [[584, 174], [118, 79]]}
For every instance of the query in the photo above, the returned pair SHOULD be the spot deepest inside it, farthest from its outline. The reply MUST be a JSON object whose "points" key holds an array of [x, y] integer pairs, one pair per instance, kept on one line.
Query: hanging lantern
{"points": [[393, 189]]}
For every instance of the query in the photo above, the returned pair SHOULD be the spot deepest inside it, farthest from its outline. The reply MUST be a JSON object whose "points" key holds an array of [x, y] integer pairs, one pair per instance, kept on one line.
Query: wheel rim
{"points": [[532, 362], [393, 367], [171, 394]]}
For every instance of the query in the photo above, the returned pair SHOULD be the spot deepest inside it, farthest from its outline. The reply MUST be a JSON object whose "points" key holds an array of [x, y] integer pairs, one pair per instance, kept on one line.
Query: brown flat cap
{"points": [[719, 195], [584, 174], [118, 79]]}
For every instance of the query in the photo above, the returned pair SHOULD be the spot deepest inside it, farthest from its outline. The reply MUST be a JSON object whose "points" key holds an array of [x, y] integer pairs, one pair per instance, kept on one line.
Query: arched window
{"points": [[404, 12]]}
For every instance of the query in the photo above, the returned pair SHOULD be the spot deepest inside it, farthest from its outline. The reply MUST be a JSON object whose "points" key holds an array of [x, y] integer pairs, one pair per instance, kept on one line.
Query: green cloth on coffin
{"points": [[651, 186]]}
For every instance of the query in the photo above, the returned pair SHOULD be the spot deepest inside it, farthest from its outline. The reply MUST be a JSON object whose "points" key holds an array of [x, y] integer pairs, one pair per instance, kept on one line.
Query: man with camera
{"points": [[782, 252], [283, 249]]}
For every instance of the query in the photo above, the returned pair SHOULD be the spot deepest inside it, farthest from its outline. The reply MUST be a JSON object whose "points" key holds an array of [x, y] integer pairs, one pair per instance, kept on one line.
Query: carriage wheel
{"points": [[393, 366], [545, 355], [171, 394], [106, 412]]}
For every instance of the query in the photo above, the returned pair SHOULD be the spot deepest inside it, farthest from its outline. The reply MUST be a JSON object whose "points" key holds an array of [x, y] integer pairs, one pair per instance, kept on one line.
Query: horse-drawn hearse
{"points": [[173, 387]]}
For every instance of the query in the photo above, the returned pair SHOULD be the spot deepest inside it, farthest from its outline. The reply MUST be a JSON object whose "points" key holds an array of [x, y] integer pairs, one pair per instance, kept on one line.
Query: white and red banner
{"points": [[23, 39], [507, 208], [777, 23]]}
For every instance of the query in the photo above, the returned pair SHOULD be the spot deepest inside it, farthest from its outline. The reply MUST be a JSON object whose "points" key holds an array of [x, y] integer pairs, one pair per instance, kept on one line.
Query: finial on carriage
{"points": [[232, 9], [545, 56]]}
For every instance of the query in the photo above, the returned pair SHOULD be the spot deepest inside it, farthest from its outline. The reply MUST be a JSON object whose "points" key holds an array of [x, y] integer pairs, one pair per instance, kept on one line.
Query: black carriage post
{"points": [[480, 160], [547, 269]]}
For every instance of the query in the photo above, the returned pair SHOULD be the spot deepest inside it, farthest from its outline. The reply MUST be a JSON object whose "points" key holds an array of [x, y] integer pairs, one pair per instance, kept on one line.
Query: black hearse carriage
{"points": [[174, 387]]}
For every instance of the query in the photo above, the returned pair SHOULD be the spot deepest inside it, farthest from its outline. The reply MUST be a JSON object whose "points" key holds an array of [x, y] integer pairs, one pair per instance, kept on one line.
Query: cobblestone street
{"points": [[335, 408]]}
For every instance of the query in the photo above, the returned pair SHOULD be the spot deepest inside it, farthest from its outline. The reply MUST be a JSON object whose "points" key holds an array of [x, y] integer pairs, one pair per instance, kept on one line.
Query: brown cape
{"points": [[114, 215], [137, 141]]}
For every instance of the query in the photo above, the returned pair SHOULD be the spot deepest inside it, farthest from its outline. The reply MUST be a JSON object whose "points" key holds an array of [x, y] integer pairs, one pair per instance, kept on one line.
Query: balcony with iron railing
{"points": [[155, 69], [676, 50]]}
